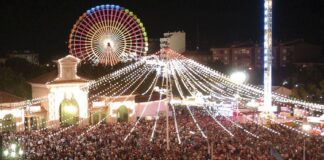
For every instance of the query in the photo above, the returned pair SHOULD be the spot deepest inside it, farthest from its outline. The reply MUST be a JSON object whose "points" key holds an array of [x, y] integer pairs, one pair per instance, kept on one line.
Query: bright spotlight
{"points": [[306, 127], [13, 146], [238, 77], [70, 109], [5, 152], [21, 152], [13, 154]]}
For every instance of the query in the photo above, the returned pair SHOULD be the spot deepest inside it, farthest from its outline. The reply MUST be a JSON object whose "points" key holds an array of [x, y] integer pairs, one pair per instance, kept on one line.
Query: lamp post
{"points": [[306, 127], [238, 78], [12, 152]]}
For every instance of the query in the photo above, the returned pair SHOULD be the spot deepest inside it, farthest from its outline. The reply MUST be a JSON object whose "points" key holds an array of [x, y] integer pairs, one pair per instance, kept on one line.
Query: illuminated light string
{"points": [[295, 121], [259, 124], [217, 82], [54, 124], [195, 80], [188, 65], [174, 112], [248, 132], [317, 107], [91, 128], [176, 124], [291, 128], [128, 81], [220, 124], [123, 71], [157, 113], [152, 85], [115, 78], [134, 83], [24, 104], [216, 120], [239, 126], [17, 124], [202, 84], [142, 113], [204, 78], [182, 95], [278, 98], [116, 74], [67, 128], [70, 126], [286, 127], [122, 83], [94, 126], [119, 88]]}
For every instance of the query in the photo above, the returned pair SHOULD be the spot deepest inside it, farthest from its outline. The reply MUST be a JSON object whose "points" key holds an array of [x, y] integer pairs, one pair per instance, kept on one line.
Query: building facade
{"points": [[250, 55], [67, 101], [174, 40], [29, 56]]}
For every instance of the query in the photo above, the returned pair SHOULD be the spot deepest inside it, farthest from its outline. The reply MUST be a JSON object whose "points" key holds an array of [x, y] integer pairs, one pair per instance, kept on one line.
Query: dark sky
{"points": [[44, 25]]}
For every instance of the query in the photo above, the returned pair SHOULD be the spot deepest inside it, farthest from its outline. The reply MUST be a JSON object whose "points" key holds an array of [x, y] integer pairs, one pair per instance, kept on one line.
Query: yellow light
{"points": [[70, 109]]}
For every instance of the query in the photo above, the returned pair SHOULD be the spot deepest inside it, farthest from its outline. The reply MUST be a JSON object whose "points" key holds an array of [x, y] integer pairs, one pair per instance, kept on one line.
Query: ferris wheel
{"points": [[108, 34]]}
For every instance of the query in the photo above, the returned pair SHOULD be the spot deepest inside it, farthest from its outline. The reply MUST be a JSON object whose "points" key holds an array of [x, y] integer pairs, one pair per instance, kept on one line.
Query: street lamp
{"points": [[13, 151], [306, 127], [238, 77]]}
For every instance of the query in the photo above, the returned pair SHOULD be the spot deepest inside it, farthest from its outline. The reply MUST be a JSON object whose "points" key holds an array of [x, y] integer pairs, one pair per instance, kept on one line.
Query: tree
{"points": [[14, 83]]}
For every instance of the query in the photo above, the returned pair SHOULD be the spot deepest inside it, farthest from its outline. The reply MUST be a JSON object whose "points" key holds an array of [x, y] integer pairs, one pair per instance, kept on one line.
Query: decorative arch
{"points": [[122, 114], [9, 123], [69, 112]]}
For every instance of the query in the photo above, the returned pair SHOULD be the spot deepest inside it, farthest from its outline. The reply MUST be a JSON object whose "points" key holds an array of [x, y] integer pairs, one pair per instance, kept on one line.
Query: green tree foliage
{"points": [[14, 76], [9, 123], [13, 82], [25, 68], [67, 116]]}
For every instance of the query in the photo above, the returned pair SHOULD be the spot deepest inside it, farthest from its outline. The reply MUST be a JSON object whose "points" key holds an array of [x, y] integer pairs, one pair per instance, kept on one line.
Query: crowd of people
{"points": [[202, 138]]}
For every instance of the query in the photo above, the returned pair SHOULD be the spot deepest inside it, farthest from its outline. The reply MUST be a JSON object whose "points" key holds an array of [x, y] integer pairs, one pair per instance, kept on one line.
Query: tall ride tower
{"points": [[267, 57]]}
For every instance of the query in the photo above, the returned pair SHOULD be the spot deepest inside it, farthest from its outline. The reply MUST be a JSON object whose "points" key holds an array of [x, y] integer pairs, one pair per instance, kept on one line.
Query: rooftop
{"points": [[6, 97]]}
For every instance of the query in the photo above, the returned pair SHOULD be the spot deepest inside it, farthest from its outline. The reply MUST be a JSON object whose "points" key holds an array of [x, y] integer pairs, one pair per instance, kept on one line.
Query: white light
{"points": [[307, 127], [21, 152], [13, 154], [13, 146], [70, 109], [238, 77], [5, 153], [106, 41]]}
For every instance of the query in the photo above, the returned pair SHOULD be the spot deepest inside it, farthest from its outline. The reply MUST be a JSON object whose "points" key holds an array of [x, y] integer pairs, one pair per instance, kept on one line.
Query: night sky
{"points": [[44, 25]]}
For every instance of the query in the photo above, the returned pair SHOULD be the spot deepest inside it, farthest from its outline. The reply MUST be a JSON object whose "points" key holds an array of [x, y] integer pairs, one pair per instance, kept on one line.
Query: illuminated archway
{"points": [[122, 114], [69, 112], [9, 123]]}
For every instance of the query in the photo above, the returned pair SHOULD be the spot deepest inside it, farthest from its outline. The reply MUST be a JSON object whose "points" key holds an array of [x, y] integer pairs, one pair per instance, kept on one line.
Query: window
{"points": [[284, 58]]}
